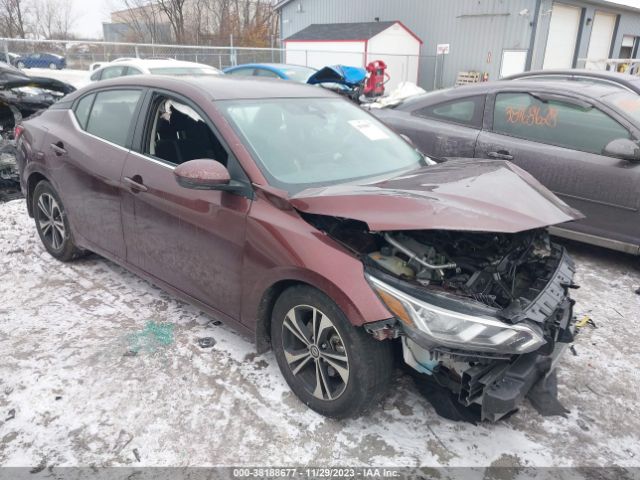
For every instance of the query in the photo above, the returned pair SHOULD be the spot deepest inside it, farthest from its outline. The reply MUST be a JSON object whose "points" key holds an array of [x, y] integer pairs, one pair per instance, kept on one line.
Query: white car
{"points": [[152, 67], [97, 65]]}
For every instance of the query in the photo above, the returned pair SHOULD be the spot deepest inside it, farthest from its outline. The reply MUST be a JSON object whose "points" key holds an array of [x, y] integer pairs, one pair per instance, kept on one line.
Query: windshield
{"points": [[304, 142], [299, 74], [626, 102], [184, 71]]}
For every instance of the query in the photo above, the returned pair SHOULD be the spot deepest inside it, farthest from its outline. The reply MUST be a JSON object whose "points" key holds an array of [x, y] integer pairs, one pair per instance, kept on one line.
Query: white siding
{"points": [[399, 50], [562, 38], [321, 54]]}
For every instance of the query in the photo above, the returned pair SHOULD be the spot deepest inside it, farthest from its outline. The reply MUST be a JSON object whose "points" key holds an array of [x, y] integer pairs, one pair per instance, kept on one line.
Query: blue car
{"points": [[297, 73], [41, 60]]}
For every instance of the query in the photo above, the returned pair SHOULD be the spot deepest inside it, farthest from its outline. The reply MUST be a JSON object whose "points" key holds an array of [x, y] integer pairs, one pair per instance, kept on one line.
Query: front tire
{"points": [[336, 369], [52, 223], [53, 66], [21, 65]]}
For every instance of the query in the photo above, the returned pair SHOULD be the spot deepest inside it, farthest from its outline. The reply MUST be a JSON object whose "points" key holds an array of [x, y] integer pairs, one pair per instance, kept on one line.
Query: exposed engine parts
{"points": [[485, 315], [495, 269]]}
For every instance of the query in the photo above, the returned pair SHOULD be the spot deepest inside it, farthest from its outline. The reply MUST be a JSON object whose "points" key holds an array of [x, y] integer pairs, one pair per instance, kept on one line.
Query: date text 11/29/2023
{"points": [[317, 472]]}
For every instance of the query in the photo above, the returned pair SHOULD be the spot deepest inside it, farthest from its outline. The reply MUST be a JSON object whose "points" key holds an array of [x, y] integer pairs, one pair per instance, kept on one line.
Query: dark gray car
{"points": [[602, 77], [580, 143]]}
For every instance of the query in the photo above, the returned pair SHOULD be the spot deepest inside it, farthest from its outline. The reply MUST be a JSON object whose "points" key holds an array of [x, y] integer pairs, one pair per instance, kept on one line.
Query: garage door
{"points": [[604, 25], [563, 35]]}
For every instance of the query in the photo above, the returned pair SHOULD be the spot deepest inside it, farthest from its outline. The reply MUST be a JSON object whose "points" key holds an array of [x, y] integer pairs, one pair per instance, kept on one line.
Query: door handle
{"points": [[501, 155], [58, 149], [135, 183]]}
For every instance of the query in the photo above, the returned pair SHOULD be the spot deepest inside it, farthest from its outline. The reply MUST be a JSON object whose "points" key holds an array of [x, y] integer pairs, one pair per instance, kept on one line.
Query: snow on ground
{"points": [[71, 394], [77, 78]]}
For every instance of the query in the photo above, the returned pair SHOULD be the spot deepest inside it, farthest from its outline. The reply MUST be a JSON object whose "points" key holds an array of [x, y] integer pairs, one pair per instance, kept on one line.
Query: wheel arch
{"points": [[265, 309], [34, 179], [350, 306]]}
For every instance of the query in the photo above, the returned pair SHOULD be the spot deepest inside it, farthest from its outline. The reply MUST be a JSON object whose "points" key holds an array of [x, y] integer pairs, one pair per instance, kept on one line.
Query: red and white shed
{"points": [[357, 44]]}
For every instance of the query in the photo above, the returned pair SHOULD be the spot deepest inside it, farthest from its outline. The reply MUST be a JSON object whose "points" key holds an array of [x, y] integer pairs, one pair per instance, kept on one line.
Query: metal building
{"points": [[498, 37]]}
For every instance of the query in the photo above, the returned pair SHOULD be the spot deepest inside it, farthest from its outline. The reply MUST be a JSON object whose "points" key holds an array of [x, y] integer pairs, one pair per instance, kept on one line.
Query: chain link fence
{"points": [[86, 56], [82, 55]]}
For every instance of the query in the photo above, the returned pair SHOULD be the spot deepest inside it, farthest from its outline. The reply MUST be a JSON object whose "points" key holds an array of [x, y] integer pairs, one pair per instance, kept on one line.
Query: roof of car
{"points": [[217, 87], [593, 90], [617, 76], [157, 63], [276, 66]]}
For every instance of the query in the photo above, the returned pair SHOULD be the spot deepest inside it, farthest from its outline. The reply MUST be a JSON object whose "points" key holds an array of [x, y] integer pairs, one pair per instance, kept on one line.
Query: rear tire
{"points": [[52, 223], [336, 369]]}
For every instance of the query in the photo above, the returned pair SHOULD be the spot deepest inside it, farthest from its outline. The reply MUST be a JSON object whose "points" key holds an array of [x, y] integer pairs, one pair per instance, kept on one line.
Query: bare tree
{"points": [[145, 20], [13, 18], [55, 19], [251, 22], [175, 12]]}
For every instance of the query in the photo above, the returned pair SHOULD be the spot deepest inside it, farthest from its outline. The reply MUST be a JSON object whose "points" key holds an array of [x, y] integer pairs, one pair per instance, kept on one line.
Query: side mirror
{"points": [[624, 149], [203, 174]]}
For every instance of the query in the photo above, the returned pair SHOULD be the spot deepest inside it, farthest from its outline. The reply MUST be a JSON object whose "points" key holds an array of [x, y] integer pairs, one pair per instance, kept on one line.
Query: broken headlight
{"points": [[458, 330]]}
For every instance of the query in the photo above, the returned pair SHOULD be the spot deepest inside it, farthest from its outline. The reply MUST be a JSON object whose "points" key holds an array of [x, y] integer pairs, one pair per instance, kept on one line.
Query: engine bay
{"points": [[494, 269]]}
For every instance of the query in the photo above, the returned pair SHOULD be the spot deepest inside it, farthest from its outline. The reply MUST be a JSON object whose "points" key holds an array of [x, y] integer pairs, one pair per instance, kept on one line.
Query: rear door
{"points": [[90, 143], [191, 239], [444, 129], [560, 144]]}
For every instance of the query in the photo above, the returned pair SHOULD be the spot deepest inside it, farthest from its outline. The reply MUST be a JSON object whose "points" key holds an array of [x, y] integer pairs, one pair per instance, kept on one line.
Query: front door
{"points": [[560, 144], [190, 239]]}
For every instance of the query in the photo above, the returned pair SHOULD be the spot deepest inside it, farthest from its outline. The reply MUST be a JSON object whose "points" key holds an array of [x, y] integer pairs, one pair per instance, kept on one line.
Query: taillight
{"points": [[17, 131]]}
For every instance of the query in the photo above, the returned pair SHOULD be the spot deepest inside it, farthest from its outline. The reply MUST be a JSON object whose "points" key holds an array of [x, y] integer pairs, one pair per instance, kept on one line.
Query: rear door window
{"points": [[464, 111], [555, 123], [242, 72], [263, 72], [82, 110], [112, 114], [113, 72]]}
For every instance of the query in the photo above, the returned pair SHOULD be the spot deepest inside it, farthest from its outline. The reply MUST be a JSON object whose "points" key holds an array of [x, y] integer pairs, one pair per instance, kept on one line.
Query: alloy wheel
{"points": [[50, 221], [315, 352]]}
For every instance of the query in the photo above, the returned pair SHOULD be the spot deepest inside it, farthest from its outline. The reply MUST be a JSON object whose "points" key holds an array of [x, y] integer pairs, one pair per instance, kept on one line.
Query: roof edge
{"points": [[392, 22]]}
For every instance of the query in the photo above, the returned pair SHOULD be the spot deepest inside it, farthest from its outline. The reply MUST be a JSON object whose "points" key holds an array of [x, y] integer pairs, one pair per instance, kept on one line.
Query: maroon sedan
{"points": [[304, 222]]}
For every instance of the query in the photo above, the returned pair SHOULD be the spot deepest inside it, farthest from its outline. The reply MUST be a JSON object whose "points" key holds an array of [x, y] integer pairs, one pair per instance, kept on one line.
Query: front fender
{"points": [[281, 248]]}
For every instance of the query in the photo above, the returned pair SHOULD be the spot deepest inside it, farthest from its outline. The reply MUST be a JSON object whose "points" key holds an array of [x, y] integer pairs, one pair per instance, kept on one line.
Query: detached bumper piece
{"points": [[501, 388]]}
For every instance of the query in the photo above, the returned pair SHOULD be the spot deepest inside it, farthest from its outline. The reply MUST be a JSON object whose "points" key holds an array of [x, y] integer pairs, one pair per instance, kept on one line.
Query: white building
{"points": [[357, 44]]}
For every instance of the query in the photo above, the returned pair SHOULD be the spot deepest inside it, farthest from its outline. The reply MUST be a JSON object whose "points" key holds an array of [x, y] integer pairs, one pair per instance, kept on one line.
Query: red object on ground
{"points": [[374, 86]]}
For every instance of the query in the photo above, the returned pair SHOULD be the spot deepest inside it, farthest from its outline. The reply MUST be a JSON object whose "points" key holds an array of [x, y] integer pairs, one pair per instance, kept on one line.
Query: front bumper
{"points": [[497, 383]]}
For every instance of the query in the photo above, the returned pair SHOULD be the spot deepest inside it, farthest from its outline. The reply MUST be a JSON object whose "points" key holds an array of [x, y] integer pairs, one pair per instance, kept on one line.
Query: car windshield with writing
{"points": [[307, 142]]}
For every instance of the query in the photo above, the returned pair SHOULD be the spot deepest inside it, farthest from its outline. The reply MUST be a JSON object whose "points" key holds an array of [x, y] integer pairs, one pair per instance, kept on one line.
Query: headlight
{"points": [[458, 330]]}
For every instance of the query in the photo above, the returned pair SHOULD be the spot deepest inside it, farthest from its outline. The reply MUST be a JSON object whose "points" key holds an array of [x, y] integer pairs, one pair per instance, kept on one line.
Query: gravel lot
{"points": [[70, 394]]}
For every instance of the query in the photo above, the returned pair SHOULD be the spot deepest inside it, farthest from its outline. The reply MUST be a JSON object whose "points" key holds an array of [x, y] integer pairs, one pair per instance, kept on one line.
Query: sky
{"points": [[91, 14]]}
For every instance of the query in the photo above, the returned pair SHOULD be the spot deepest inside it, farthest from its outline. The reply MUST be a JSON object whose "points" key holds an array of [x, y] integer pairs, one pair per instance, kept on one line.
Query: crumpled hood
{"points": [[461, 194]]}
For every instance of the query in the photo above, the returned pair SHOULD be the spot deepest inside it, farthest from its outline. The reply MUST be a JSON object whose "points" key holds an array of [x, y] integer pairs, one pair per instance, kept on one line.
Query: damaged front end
{"points": [[486, 314], [478, 292], [21, 96]]}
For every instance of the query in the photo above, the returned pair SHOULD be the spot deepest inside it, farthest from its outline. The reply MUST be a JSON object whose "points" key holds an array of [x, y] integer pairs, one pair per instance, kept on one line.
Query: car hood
{"points": [[340, 74], [460, 194]]}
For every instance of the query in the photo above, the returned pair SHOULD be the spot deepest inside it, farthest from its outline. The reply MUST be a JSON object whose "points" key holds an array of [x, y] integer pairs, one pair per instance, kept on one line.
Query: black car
{"points": [[580, 143], [602, 77]]}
